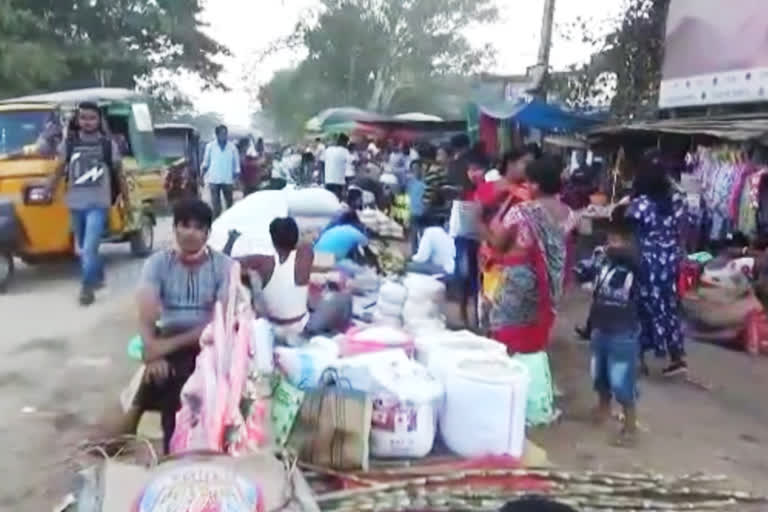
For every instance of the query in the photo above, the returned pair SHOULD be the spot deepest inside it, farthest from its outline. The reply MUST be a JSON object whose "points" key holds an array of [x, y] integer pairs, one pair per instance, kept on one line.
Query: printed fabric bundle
{"points": [[216, 412]]}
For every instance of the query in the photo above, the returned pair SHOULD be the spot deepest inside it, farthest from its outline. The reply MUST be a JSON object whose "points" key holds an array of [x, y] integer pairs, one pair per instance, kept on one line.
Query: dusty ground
{"points": [[61, 366]]}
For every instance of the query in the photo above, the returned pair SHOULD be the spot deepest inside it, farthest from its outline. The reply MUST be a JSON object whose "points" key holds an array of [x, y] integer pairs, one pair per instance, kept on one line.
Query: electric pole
{"points": [[545, 45], [546, 32]]}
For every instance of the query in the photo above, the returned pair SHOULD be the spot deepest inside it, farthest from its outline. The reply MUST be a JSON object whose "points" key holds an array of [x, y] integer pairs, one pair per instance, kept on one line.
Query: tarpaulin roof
{"points": [[331, 116], [741, 127], [539, 114], [345, 119]]}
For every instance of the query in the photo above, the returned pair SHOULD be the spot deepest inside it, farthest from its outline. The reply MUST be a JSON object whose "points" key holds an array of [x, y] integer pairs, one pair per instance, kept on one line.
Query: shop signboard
{"points": [[716, 52]]}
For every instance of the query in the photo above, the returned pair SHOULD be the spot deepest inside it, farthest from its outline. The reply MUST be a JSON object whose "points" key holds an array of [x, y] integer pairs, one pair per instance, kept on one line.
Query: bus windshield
{"points": [[21, 128]]}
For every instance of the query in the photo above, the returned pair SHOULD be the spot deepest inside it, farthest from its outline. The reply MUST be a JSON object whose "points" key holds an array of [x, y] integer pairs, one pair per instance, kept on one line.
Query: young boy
{"points": [[615, 327]]}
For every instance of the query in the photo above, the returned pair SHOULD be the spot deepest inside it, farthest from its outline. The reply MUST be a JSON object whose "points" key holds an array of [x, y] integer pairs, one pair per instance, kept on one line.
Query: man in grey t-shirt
{"points": [[91, 163], [178, 291]]}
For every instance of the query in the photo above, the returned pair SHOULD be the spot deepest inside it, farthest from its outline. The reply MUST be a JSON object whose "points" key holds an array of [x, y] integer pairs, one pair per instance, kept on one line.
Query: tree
{"points": [[27, 56], [630, 57], [77, 43], [374, 54]]}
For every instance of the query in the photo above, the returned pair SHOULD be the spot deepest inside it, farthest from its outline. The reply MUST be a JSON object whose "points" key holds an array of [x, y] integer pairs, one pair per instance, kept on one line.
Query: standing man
{"points": [[90, 160], [221, 164], [337, 158]]}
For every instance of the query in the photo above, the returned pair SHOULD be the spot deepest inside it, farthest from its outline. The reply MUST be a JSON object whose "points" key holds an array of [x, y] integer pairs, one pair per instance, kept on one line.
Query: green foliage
{"points": [[60, 44], [383, 55], [632, 55]]}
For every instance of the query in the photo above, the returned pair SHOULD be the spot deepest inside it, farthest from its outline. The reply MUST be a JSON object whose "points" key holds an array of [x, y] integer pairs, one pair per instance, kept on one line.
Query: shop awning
{"points": [[737, 128], [540, 115]]}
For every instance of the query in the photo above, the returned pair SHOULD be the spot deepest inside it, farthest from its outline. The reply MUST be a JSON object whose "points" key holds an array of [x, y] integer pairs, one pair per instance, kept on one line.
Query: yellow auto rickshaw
{"points": [[34, 226]]}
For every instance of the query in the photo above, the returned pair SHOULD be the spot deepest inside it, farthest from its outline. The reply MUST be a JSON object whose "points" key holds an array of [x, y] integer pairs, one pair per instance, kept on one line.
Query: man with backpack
{"points": [[90, 162]]}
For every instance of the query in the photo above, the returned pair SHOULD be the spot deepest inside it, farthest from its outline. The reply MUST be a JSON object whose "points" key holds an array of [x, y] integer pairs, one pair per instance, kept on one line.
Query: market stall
{"points": [[720, 165], [498, 124]]}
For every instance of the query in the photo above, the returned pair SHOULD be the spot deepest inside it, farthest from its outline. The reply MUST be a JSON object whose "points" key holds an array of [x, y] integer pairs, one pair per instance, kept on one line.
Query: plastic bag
{"points": [[756, 334], [540, 404], [286, 402], [375, 339], [304, 366], [262, 346]]}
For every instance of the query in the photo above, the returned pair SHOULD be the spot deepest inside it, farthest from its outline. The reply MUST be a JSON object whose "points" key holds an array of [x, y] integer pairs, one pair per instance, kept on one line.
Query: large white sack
{"points": [[392, 292], [405, 400], [485, 406], [251, 216], [312, 202], [438, 349]]}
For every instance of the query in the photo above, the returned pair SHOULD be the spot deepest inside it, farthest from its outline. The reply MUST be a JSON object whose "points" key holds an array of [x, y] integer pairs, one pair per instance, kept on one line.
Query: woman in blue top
{"points": [[658, 214]]}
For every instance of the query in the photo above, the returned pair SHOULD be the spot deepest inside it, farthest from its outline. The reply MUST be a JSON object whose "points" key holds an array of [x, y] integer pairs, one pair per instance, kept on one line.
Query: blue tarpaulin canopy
{"points": [[538, 114]]}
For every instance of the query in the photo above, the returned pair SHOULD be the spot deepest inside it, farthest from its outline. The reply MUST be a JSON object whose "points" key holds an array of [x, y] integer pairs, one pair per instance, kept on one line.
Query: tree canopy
{"points": [[630, 57], [383, 55], [46, 44]]}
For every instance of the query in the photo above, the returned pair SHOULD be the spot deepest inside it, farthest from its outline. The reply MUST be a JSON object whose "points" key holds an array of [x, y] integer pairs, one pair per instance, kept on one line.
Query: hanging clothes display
{"points": [[730, 188]]}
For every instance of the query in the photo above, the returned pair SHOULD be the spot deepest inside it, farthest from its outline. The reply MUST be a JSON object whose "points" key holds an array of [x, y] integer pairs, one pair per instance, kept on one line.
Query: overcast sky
{"points": [[247, 26]]}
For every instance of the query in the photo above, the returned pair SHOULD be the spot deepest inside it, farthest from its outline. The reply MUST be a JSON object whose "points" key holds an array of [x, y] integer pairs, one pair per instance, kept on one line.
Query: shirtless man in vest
{"points": [[280, 284]]}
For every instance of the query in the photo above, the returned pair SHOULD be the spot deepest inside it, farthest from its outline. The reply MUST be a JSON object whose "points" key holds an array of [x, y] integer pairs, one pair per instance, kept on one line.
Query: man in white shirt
{"points": [[221, 167], [351, 170], [437, 251], [336, 160]]}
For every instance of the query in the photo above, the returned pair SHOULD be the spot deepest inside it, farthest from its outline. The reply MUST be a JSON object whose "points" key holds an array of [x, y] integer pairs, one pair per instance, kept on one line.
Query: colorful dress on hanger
{"points": [[658, 234]]}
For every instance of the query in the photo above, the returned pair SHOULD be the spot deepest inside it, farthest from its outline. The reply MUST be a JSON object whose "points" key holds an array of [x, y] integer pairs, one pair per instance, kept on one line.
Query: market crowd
{"points": [[500, 234]]}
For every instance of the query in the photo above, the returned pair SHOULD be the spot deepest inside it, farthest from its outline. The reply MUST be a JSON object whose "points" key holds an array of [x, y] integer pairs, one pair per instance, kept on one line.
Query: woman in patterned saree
{"points": [[523, 262]]}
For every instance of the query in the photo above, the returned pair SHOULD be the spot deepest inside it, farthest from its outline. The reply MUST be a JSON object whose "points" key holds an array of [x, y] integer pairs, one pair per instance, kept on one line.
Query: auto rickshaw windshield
{"points": [[21, 128], [171, 144]]}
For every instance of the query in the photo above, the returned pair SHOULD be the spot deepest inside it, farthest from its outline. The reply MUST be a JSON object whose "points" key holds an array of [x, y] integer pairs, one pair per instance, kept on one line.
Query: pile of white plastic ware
{"points": [[421, 377]]}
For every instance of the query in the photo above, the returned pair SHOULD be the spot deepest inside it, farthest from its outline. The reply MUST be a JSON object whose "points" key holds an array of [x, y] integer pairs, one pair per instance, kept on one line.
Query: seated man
{"points": [[280, 284], [177, 293], [437, 251]]}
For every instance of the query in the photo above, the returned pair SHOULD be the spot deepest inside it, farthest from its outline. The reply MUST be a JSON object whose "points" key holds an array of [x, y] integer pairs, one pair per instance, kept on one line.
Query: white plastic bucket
{"points": [[484, 408]]}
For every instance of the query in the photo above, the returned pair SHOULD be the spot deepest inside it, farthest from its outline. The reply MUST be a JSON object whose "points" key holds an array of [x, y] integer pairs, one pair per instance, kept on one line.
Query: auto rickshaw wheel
{"points": [[143, 240], [7, 270]]}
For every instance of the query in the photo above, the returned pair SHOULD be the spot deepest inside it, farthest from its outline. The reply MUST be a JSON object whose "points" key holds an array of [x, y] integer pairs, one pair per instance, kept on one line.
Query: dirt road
{"points": [[61, 365]]}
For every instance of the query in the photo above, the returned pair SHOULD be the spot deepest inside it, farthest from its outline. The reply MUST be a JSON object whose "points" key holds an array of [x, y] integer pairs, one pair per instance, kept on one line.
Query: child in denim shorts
{"points": [[614, 326]]}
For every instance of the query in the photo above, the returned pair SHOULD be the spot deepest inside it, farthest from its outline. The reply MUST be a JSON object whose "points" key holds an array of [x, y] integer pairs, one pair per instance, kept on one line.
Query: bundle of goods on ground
{"points": [[312, 207], [720, 302]]}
